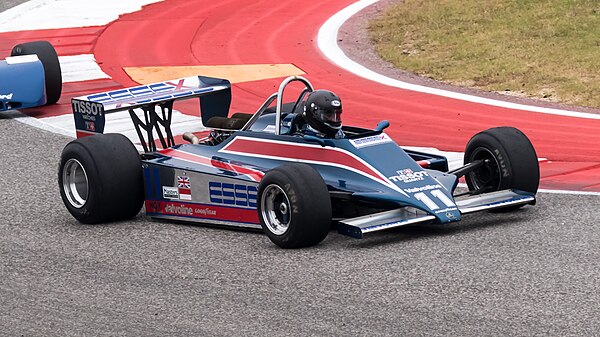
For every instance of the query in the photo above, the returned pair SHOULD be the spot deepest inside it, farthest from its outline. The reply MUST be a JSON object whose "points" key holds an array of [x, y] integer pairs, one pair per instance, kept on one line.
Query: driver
{"points": [[323, 115]]}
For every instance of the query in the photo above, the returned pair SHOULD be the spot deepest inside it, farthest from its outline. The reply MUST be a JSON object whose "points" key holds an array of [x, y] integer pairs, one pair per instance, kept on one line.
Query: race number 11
{"points": [[437, 194]]}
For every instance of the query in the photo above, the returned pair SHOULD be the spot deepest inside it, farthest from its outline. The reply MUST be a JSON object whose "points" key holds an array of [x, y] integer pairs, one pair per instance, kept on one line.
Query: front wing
{"points": [[358, 227]]}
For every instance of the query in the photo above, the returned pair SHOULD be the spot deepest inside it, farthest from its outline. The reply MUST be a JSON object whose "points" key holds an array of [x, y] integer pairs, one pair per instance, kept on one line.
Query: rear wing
{"points": [[156, 101]]}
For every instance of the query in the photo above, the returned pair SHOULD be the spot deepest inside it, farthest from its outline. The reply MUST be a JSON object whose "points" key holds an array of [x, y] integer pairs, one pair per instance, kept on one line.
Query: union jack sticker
{"points": [[183, 182], [184, 187]]}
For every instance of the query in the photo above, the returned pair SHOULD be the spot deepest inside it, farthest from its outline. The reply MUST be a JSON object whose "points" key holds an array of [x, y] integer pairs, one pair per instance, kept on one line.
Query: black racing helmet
{"points": [[323, 111]]}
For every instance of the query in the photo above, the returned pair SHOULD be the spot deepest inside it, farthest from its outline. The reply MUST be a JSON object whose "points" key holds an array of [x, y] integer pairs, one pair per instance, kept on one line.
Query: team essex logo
{"points": [[371, 140], [232, 194]]}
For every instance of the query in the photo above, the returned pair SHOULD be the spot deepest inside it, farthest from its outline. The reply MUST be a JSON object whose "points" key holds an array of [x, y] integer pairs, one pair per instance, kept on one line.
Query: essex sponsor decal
{"points": [[408, 176], [232, 194], [371, 140]]}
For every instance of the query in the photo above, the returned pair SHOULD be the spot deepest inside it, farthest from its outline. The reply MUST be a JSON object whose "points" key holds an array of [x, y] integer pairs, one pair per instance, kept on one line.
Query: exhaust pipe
{"points": [[190, 137]]}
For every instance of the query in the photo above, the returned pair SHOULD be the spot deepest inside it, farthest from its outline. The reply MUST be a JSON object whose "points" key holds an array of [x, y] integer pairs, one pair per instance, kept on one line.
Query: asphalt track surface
{"points": [[531, 272]]}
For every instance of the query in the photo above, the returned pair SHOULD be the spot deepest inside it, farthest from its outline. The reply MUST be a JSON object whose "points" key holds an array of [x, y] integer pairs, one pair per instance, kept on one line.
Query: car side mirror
{"points": [[382, 125]]}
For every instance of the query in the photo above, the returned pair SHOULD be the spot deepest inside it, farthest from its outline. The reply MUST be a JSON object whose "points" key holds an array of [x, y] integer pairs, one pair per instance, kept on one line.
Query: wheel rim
{"points": [[75, 183], [275, 209], [488, 176]]}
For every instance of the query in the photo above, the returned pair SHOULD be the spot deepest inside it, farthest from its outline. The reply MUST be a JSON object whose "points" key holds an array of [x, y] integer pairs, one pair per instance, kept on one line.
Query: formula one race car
{"points": [[30, 77], [255, 171]]}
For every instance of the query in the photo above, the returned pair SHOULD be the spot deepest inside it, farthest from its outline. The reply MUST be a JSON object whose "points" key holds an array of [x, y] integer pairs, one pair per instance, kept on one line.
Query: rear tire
{"points": [[47, 55], [294, 206], [100, 179], [511, 161]]}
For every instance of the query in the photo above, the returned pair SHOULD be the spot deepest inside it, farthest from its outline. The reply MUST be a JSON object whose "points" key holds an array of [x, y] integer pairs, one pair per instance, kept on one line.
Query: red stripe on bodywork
{"points": [[290, 151], [211, 212], [424, 163], [186, 156], [254, 174]]}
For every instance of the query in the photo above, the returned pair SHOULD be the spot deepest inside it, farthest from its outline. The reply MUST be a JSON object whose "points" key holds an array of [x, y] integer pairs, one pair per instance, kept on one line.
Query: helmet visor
{"points": [[329, 116]]}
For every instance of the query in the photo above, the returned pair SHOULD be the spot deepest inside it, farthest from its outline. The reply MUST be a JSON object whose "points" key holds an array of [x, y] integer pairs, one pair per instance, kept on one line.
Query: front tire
{"points": [[100, 179], [510, 161], [294, 206], [52, 73]]}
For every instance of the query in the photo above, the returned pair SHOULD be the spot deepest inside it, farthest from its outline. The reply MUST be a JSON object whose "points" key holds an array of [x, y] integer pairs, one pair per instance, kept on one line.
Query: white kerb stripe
{"points": [[53, 14], [78, 68], [328, 44]]}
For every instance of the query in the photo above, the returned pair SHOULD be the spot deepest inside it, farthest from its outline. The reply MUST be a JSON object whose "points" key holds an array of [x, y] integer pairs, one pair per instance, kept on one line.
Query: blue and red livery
{"points": [[255, 171]]}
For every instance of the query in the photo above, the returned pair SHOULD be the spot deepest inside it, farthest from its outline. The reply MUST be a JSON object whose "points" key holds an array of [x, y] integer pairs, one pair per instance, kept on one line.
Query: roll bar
{"points": [[279, 96]]}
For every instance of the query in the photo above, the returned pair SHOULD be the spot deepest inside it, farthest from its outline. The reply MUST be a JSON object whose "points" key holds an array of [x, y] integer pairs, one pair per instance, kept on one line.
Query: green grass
{"points": [[543, 49]]}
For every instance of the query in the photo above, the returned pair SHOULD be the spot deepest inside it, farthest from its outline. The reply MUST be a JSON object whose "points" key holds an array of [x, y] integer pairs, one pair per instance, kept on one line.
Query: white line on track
{"points": [[82, 67], [328, 44], [542, 190], [38, 123], [569, 192]]}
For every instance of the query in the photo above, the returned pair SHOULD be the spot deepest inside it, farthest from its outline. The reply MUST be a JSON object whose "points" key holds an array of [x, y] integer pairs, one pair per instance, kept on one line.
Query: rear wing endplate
{"points": [[156, 101]]}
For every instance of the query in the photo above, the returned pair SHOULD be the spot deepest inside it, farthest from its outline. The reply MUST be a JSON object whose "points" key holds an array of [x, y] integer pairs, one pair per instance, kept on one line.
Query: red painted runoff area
{"points": [[236, 32]]}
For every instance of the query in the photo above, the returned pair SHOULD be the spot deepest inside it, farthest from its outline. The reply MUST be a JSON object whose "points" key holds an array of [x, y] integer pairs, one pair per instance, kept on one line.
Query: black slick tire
{"points": [[100, 179], [294, 206], [511, 161], [47, 55]]}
